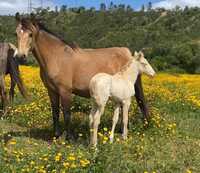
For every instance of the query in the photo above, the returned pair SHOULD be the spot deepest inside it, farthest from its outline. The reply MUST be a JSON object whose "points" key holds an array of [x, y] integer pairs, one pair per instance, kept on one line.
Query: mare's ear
{"points": [[34, 21], [33, 18], [17, 17]]}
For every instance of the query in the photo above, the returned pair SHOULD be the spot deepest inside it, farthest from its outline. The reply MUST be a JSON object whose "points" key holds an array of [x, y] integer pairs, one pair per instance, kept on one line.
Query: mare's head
{"points": [[26, 31], [143, 64]]}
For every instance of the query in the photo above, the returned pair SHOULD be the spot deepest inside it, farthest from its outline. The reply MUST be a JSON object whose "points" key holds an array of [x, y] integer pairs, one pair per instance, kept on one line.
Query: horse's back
{"points": [[89, 62], [120, 52]]}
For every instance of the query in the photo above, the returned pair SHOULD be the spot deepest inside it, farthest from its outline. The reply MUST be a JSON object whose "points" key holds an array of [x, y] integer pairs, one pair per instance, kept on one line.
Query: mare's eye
{"points": [[30, 35]]}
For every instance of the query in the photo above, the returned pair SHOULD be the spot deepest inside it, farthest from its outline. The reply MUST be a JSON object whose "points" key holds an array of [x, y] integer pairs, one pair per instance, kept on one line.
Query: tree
{"points": [[149, 6], [111, 6], [63, 8], [129, 8], [142, 8], [121, 7], [103, 7]]}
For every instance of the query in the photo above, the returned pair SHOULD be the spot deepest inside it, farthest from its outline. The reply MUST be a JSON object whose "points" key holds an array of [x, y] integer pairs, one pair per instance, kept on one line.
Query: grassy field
{"points": [[170, 144]]}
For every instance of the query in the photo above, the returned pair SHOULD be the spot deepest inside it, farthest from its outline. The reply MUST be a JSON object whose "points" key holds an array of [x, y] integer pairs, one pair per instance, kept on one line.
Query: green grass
{"points": [[159, 148]]}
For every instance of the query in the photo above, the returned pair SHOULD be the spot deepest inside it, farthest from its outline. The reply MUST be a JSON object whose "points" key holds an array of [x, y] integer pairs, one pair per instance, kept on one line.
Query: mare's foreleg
{"points": [[54, 99], [12, 90], [66, 103], [126, 106], [115, 120]]}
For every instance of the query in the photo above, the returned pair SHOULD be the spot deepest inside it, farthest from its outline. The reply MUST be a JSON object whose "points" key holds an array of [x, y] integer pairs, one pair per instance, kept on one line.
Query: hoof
{"points": [[111, 140], [124, 137], [69, 136], [57, 134]]}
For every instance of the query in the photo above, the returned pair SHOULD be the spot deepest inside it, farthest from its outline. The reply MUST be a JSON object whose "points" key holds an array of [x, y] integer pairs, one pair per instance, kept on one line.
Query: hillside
{"points": [[169, 38]]}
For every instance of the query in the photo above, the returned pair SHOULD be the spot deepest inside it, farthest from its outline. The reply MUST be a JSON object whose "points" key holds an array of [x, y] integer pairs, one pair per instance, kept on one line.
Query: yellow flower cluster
{"points": [[36, 112], [174, 88]]}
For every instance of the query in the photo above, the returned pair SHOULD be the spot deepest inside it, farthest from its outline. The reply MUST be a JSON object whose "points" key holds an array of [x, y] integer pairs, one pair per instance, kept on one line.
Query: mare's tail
{"points": [[14, 72]]}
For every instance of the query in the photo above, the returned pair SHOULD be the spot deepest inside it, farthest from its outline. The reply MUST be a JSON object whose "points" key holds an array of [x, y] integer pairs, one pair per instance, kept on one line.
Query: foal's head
{"points": [[143, 64], [26, 30]]}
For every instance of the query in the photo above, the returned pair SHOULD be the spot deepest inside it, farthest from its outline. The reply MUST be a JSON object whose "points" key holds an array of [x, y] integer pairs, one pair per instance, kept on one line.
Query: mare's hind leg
{"points": [[115, 120], [54, 99], [66, 103], [3, 95], [126, 106], [12, 90]]}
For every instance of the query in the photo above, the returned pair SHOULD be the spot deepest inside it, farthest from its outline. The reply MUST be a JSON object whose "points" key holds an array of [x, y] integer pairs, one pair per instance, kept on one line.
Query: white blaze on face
{"points": [[24, 41]]}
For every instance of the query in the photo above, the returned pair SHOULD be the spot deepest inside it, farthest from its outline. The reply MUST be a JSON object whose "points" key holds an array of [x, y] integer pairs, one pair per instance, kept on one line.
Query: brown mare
{"points": [[66, 69], [9, 65]]}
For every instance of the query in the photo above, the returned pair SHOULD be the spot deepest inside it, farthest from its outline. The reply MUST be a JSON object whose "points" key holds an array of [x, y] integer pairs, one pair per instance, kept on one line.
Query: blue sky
{"points": [[13, 6], [95, 3]]}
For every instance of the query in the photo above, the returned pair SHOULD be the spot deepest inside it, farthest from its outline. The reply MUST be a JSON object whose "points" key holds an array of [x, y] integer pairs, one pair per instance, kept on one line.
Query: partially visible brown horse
{"points": [[66, 69], [9, 65]]}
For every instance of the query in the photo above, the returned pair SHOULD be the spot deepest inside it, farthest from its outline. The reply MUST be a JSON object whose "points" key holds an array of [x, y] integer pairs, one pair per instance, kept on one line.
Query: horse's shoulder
{"points": [[123, 51], [68, 49]]}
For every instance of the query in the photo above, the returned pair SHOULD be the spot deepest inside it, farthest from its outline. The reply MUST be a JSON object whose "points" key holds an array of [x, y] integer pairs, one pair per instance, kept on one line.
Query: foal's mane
{"points": [[26, 22], [126, 66]]}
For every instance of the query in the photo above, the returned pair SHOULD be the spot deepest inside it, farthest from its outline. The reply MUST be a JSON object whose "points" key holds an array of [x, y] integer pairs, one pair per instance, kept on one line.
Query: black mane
{"points": [[26, 23]]}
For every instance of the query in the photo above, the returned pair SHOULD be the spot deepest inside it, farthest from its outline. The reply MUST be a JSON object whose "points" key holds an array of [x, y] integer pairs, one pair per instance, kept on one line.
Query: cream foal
{"points": [[121, 88]]}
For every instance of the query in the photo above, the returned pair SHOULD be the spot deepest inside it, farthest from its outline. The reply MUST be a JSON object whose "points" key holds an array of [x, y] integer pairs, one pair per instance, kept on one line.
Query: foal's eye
{"points": [[30, 35], [144, 64]]}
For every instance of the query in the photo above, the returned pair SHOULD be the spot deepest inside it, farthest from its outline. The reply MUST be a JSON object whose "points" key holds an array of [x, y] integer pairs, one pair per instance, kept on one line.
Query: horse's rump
{"points": [[4, 47]]}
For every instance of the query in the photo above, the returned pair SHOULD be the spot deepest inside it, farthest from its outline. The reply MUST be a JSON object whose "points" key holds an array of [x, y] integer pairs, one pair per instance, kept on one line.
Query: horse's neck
{"points": [[44, 43], [131, 72]]}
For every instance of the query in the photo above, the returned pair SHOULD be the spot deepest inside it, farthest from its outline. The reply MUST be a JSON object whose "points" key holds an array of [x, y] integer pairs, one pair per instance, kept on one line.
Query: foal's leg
{"points": [[91, 121], [115, 120], [66, 103], [126, 106], [96, 122], [54, 99], [12, 90]]}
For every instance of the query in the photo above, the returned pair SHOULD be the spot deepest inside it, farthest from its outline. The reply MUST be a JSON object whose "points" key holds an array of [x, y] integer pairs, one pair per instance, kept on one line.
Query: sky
{"points": [[13, 6]]}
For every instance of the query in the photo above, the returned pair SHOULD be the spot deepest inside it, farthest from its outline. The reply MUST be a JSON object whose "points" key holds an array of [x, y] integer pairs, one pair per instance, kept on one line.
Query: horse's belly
{"points": [[81, 92], [122, 90]]}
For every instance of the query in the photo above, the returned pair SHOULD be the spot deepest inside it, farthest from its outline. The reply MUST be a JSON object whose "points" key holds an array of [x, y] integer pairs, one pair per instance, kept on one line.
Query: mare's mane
{"points": [[126, 66], [26, 24]]}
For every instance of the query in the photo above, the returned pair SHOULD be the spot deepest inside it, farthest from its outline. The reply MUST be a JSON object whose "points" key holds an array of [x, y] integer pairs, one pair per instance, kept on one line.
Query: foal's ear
{"points": [[140, 55], [17, 17], [136, 54]]}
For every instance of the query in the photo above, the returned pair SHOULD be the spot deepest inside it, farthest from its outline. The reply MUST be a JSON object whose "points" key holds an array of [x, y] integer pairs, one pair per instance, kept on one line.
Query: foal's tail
{"points": [[14, 72]]}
